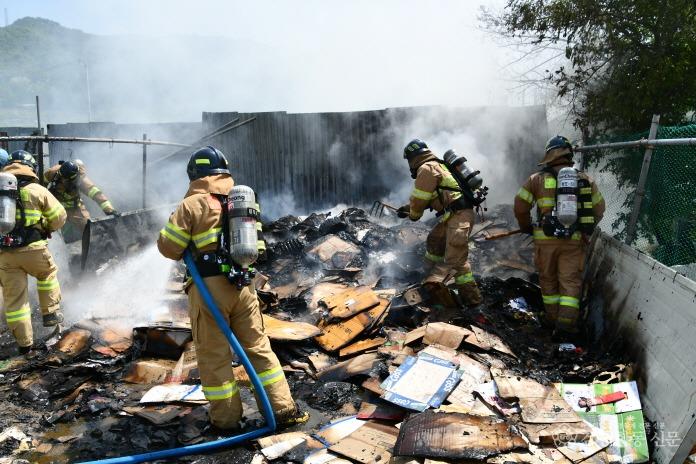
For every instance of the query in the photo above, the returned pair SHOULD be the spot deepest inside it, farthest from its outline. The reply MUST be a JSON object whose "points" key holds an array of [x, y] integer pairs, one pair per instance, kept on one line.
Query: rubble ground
{"points": [[363, 348]]}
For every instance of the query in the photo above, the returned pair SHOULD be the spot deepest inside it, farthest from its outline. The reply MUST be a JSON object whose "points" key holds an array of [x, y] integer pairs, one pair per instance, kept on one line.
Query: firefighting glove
{"points": [[114, 213], [403, 212]]}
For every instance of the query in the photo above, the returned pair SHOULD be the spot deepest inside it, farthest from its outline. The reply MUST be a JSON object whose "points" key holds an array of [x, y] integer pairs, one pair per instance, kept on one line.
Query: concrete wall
{"points": [[652, 309]]}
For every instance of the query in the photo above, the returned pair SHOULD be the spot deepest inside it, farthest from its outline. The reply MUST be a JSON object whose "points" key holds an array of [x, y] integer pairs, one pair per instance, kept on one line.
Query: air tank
{"points": [[567, 197], [8, 202], [243, 213], [472, 178]]}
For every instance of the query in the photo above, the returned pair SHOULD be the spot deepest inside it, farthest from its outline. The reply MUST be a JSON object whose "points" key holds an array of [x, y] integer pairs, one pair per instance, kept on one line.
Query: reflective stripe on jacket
{"points": [[69, 195], [432, 176]]}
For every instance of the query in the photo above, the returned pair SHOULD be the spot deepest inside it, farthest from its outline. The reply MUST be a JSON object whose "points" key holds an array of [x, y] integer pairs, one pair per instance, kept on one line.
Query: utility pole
{"points": [[89, 92], [39, 145]]}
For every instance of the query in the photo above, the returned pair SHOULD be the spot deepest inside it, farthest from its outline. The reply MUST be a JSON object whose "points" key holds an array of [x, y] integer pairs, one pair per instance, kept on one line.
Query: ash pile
{"points": [[386, 374]]}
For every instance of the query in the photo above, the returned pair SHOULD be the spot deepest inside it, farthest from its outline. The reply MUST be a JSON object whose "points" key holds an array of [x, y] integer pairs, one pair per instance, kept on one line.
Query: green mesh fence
{"points": [[666, 227]]}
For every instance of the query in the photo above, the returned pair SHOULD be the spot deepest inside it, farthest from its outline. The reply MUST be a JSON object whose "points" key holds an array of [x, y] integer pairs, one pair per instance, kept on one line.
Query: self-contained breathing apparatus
{"points": [[14, 234], [469, 181], [237, 248], [573, 209]]}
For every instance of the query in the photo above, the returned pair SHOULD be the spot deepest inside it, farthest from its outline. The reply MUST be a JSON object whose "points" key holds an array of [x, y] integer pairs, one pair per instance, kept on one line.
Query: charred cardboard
{"points": [[381, 411], [488, 341], [554, 434], [350, 302], [421, 382], [334, 432], [455, 436], [372, 443], [488, 392], [172, 393], [150, 371], [74, 342], [332, 252], [162, 342], [288, 330], [158, 415], [275, 446], [336, 336]]}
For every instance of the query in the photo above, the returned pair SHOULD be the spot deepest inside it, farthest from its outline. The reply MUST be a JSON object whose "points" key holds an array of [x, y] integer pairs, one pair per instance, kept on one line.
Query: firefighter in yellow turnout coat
{"points": [[197, 223], [66, 181], [447, 246], [27, 254], [559, 260]]}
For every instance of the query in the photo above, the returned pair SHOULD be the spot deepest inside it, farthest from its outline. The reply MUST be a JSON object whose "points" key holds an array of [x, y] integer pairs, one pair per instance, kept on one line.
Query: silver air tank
{"points": [[243, 214], [472, 178], [8, 202], [567, 197]]}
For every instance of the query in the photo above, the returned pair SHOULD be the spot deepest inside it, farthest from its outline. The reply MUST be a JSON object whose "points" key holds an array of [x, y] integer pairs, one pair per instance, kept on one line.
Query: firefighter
{"points": [[447, 245], [66, 180], [198, 224], [24, 251], [559, 252]]}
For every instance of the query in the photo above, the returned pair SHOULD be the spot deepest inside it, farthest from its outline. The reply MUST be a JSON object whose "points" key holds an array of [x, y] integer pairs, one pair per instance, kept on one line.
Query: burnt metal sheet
{"points": [[454, 435]]}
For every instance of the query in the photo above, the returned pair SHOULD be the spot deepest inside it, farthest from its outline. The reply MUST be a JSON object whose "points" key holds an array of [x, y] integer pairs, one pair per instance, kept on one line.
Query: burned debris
{"points": [[388, 374]]}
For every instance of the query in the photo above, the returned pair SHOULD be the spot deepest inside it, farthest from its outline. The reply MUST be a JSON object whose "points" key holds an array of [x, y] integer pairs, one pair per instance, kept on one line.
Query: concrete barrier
{"points": [[652, 309]]}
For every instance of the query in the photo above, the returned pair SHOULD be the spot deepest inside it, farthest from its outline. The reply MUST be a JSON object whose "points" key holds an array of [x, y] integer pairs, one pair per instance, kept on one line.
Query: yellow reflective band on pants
{"points": [[207, 237], [585, 190], [47, 285], [587, 220], [271, 376], [464, 279], [525, 195], [434, 258], [540, 235], [551, 299], [21, 314], [569, 301], [222, 392]]}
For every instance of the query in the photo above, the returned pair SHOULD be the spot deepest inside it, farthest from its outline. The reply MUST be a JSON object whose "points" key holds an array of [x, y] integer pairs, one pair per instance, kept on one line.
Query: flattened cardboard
{"points": [[415, 335], [336, 336], [325, 248], [362, 364], [373, 385], [381, 411], [74, 342], [445, 334], [362, 346], [453, 435], [573, 392], [421, 382], [350, 302], [488, 341], [319, 361], [287, 330], [276, 446], [373, 443], [578, 451], [171, 393], [150, 371], [547, 410], [554, 434], [334, 432], [158, 415]]}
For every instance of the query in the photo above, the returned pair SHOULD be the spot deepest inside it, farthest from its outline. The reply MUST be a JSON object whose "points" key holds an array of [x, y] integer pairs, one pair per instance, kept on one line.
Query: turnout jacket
{"points": [[69, 195]]}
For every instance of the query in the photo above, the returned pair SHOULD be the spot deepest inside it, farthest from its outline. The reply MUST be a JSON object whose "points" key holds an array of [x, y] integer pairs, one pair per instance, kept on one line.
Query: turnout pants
{"points": [[15, 265], [240, 308], [75, 223], [560, 264], [447, 253]]}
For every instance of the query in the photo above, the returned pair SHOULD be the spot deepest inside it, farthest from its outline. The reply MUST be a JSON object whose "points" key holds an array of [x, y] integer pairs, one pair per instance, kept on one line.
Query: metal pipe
{"points": [[650, 142], [54, 138], [640, 188], [266, 408]]}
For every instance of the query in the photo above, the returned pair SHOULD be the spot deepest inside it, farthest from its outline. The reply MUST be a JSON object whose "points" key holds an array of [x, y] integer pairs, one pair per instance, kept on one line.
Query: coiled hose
{"points": [[207, 447]]}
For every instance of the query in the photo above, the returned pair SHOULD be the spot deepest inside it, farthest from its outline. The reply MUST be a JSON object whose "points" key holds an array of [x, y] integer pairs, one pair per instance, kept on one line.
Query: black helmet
{"points": [[23, 157], [415, 147], [206, 161], [69, 170], [557, 142]]}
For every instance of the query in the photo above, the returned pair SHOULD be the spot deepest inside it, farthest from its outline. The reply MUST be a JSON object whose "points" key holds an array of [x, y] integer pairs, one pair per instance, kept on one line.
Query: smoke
{"points": [[131, 292]]}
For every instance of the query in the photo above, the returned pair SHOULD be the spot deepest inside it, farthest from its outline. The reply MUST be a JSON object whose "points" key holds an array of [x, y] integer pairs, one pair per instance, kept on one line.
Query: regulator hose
{"points": [[207, 447]]}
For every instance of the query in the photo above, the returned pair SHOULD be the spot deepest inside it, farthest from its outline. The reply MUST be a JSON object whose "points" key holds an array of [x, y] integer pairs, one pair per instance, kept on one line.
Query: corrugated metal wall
{"points": [[323, 159]]}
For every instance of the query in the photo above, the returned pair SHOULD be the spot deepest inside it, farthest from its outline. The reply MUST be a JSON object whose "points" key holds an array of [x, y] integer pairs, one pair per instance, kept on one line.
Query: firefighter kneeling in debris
{"points": [[66, 180], [447, 247], [202, 222], [569, 206], [28, 215]]}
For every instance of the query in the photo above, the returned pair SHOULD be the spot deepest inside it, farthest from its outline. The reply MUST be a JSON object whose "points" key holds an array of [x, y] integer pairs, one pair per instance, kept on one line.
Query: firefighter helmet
{"points": [[206, 161], [4, 158], [23, 157], [556, 148], [69, 170], [415, 147]]}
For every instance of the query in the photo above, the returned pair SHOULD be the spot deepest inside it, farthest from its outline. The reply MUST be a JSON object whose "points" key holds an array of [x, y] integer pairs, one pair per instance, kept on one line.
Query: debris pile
{"points": [[387, 375]]}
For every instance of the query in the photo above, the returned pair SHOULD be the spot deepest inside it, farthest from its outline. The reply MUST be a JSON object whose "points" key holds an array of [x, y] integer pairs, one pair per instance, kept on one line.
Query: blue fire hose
{"points": [[207, 447]]}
